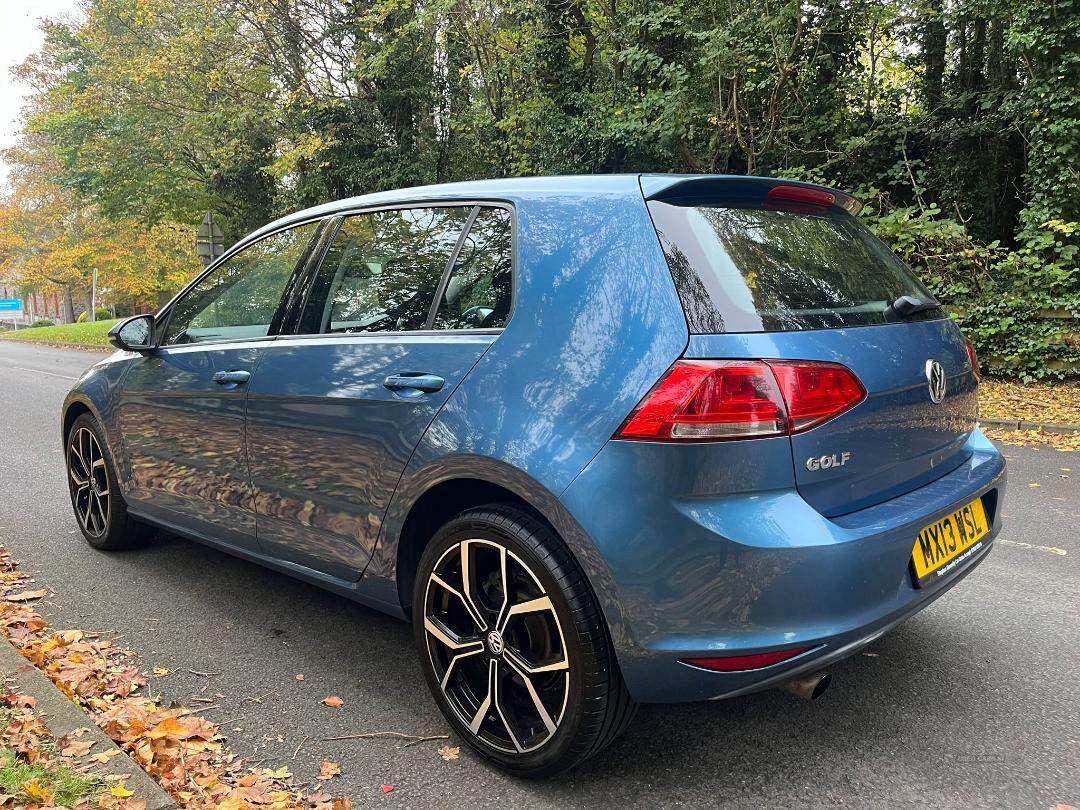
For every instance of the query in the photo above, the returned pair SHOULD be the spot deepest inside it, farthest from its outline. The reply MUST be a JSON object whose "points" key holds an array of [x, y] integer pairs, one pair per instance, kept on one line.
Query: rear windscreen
{"points": [[758, 269]]}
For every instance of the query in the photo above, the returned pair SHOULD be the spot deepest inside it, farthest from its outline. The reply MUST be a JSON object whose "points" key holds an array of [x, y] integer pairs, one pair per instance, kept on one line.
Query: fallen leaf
{"points": [[333, 701], [161, 672], [299, 677], [281, 773], [27, 596], [39, 794], [450, 752], [233, 803], [104, 756], [76, 748], [387, 788], [1033, 484], [120, 791], [169, 727], [342, 804], [329, 769]]}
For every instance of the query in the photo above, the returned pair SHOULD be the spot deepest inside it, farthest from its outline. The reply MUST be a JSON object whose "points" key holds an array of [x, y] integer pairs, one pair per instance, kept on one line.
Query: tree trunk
{"points": [[934, 42], [69, 305]]}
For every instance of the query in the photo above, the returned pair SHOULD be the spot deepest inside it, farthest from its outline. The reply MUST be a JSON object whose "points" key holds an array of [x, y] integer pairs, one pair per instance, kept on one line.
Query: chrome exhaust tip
{"points": [[809, 688]]}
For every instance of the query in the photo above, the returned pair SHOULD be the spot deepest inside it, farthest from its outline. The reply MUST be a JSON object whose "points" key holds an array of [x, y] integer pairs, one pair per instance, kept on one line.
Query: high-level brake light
{"points": [[714, 400], [801, 194]]}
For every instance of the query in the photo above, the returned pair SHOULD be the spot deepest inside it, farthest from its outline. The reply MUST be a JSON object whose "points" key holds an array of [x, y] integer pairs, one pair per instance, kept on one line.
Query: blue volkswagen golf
{"points": [[602, 440]]}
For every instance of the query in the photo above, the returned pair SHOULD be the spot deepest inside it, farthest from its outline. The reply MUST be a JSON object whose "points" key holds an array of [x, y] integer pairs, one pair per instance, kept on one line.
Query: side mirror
{"points": [[135, 334]]}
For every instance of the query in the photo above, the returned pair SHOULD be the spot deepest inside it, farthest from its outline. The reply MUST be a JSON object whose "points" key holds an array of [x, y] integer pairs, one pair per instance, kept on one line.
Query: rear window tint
{"points": [[757, 269]]}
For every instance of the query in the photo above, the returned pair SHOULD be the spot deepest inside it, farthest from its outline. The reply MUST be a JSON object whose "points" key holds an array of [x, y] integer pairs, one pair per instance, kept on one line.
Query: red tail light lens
{"points": [[709, 400], [741, 663], [973, 359], [816, 392]]}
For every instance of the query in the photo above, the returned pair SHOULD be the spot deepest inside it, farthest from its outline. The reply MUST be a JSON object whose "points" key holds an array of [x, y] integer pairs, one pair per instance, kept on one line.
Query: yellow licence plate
{"points": [[946, 543]]}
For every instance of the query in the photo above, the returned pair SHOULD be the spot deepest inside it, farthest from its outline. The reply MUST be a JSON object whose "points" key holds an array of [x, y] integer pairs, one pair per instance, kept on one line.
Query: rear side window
{"points": [[757, 269], [478, 292], [381, 272]]}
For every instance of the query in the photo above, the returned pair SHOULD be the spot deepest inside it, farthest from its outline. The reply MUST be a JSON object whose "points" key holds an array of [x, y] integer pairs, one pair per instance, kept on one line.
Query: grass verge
{"points": [[44, 782], [71, 334]]}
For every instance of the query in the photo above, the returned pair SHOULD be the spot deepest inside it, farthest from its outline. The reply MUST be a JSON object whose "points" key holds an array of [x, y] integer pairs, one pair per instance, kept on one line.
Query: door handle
{"points": [[428, 383], [232, 378]]}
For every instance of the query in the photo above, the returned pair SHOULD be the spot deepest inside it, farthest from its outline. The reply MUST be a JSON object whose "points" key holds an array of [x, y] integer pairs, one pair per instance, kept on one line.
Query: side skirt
{"points": [[356, 591]]}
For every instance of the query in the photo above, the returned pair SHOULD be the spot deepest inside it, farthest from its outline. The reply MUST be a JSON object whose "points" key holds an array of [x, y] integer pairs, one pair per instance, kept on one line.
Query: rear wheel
{"points": [[95, 496], [513, 645]]}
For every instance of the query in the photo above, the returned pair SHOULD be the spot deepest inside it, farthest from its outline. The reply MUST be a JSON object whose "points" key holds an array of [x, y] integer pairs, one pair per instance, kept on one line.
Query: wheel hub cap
{"points": [[495, 642]]}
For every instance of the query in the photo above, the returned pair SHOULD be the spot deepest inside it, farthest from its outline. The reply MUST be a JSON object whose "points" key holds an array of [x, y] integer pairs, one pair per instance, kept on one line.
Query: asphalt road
{"points": [[975, 702]]}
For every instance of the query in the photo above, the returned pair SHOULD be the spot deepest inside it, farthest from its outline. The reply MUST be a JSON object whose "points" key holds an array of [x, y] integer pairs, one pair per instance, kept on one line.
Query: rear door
{"points": [[776, 276], [337, 409], [181, 411]]}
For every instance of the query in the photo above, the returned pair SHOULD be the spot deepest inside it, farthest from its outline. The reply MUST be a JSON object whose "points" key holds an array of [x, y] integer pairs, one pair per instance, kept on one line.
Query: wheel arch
{"points": [[78, 402], [74, 409], [430, 497]]}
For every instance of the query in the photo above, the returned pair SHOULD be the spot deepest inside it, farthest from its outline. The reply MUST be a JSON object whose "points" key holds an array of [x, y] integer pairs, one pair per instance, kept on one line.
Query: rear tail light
{"points": [[741, 663], [709, 400], [973, 359]]}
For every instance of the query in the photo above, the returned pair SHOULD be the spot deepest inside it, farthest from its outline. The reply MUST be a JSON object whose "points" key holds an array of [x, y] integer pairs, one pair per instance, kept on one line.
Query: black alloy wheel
{"points": [[513, 644]]}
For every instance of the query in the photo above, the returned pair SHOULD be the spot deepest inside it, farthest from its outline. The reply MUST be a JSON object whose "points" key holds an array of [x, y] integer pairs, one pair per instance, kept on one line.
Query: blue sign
{"points": [[10, 305]]}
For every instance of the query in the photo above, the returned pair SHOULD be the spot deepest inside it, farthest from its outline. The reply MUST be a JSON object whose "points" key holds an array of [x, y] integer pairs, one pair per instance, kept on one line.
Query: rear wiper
{"points": [[907, 305]]}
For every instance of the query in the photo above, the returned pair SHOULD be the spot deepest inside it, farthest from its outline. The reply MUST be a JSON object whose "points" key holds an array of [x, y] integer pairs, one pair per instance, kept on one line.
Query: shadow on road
{"points": [[888, 706]]}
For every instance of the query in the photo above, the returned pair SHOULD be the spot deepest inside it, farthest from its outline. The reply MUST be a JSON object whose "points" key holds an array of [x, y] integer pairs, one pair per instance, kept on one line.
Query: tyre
{"points": [[513, 644], [99, 508]]}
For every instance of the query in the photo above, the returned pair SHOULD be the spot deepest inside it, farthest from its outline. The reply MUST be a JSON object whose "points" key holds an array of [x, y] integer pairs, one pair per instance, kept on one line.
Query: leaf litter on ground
{"points": [[1036, 403], [184, 752]]}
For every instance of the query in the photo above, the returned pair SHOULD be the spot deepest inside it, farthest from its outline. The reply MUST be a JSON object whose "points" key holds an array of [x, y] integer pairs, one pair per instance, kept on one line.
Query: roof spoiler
{"points": [[705, 189]]}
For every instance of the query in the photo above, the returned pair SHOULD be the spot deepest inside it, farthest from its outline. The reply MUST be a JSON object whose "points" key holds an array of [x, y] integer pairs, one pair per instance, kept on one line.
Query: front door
{"points": [[182, 408], [336, 411]]}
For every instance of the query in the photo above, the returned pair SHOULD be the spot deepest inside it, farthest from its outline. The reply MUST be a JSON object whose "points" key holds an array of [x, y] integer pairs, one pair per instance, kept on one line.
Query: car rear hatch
{"points": [[778, 271]]}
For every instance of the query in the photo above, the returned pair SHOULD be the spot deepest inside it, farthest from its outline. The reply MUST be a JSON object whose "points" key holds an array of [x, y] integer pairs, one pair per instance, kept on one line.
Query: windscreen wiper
{"points": [[907, 305]]}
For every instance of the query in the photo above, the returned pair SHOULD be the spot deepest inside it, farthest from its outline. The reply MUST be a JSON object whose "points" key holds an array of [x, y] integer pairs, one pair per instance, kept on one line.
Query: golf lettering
{"points": [[827, 462]]}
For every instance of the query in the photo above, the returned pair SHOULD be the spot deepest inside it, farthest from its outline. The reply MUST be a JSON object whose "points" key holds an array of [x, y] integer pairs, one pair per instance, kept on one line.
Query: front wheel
{"points": [[95, 496], [513, 645]]}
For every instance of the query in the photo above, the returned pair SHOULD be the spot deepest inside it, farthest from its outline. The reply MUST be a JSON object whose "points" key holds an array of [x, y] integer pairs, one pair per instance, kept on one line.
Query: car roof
{"points": [[514, 189], [509, 189]]}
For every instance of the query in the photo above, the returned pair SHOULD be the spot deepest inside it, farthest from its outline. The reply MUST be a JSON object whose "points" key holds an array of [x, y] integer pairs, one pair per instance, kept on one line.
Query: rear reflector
{"points": [[711, 400], [741, 663]]}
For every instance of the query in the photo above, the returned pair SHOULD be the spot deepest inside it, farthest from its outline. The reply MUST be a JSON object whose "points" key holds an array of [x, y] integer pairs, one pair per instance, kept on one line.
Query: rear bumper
{"points": [[700, 576]]}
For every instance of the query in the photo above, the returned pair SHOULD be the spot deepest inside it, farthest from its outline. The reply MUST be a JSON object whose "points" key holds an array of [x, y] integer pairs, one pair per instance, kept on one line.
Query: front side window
{"points": [[478, 292], [381, 272], [239, 298]]}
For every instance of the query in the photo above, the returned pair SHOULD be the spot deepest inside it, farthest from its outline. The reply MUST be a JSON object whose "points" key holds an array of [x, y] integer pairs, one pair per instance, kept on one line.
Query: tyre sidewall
{"points": [[114, 536]]}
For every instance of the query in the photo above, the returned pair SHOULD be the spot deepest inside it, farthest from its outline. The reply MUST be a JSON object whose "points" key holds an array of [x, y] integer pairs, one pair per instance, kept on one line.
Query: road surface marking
{"points": [[39, 371], [1053, 550]]}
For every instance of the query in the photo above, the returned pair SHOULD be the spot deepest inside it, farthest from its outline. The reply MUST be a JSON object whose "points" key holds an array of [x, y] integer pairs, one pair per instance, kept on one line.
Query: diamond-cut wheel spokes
{"points": [[88, 482], [497, 645]]}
